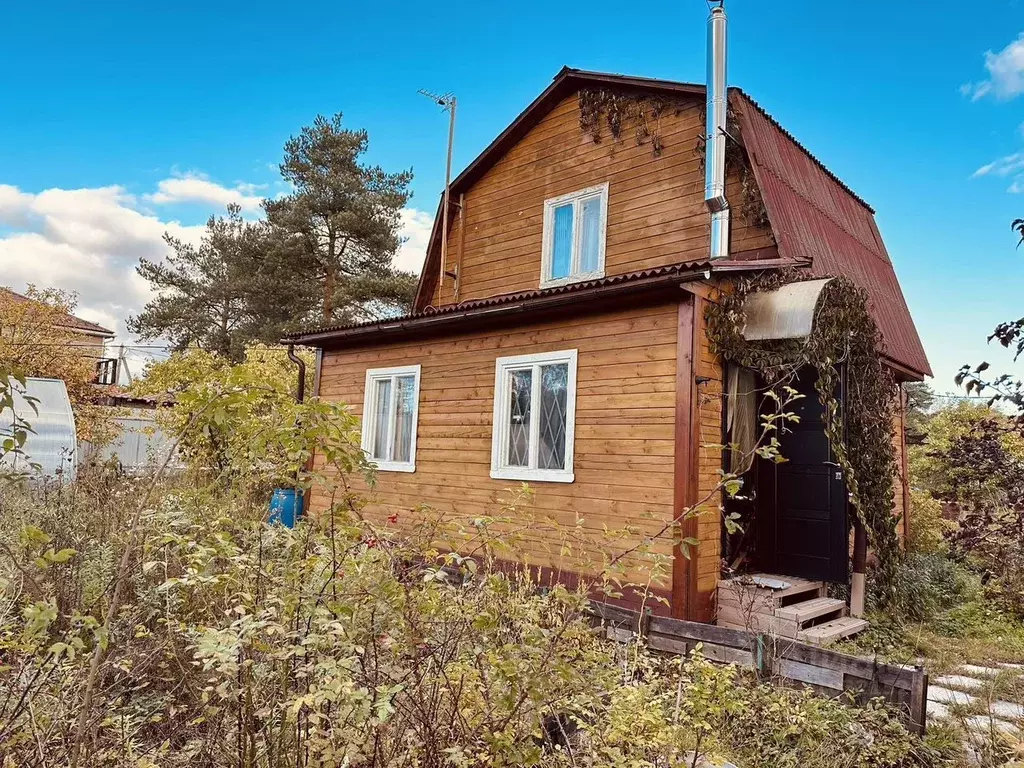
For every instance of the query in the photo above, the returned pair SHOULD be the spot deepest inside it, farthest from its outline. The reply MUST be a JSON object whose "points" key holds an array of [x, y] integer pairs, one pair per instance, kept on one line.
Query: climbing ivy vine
{"points": [[845, 341], [614, 111]]}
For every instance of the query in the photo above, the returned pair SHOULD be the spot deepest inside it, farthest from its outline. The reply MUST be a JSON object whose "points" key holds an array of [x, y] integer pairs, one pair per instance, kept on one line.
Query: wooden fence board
{"points": [[808, 673], [704, 633], [828, 672], [866, 669]]}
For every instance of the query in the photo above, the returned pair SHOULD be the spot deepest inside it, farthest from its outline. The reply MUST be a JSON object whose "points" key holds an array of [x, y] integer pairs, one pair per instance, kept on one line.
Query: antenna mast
{"points": [[447, 102]]}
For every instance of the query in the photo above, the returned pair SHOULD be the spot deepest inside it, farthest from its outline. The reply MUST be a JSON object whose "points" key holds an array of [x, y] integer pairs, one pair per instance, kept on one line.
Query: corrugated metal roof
{"points": [[686, 270], [816, 218]]}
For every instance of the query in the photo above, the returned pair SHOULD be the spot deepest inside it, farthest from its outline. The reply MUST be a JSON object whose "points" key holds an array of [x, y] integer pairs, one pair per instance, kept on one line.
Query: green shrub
{"points": [[927, 584], [929, 530], [781, 728], [346, 643]]}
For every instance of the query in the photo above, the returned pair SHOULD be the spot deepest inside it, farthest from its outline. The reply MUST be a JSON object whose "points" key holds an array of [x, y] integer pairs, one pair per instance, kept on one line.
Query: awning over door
{"points": [[785, 313]]}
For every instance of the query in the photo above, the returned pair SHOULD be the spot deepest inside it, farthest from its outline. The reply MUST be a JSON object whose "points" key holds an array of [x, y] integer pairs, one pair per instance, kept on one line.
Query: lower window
{"points": [[534, 417], [390, 410]]}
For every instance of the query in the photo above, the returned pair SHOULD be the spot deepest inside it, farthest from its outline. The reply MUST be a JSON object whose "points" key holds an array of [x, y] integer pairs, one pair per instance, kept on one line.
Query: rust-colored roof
{"points": [[816, 218], [75, 323], [509, 304]]}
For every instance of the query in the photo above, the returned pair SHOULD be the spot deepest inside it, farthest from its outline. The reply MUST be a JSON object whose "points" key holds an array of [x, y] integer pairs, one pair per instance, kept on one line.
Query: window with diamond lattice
{"points": [[534, 414]]}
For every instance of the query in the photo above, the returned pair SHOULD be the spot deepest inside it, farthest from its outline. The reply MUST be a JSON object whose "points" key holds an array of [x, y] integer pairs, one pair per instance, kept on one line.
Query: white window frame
{"points": [[504, 366], [548, 243], [374, 375]]}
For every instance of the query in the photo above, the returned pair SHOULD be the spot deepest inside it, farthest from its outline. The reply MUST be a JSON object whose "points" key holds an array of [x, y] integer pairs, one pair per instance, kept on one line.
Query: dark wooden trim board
{"points": [[904, 467], [684, 570]]}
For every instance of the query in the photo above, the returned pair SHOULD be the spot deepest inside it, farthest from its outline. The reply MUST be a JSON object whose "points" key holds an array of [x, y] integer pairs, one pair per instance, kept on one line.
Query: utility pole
{"points": [[123, 358], [447, 102]]}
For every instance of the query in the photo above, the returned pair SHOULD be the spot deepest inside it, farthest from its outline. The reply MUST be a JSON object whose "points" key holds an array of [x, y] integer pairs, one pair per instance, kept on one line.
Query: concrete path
{"points": [[970, 700]]}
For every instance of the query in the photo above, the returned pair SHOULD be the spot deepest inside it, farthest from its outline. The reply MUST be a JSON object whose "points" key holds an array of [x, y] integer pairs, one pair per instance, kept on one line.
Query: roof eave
{"points": [[500, 307]]}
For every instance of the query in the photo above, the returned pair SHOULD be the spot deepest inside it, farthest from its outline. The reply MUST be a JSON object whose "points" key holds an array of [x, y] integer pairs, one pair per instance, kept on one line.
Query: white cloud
{"points": [[416, 226], [1009, 166], [196, 187], [84, 240], [90, 241], [1004, 166], [1005, 73]]}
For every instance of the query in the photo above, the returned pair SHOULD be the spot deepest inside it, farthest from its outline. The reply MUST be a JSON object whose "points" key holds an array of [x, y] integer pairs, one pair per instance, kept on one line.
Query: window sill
{"points": [[393, 466], [533, 475], [572, 279]]}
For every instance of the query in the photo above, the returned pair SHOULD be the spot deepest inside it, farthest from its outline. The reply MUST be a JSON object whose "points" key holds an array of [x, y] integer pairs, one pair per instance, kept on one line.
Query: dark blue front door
{"points": [[801, 503]]}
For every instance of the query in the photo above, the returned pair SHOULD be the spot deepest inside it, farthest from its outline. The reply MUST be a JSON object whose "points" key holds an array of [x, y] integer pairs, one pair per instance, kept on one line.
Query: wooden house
{"points": [[558, 336]]}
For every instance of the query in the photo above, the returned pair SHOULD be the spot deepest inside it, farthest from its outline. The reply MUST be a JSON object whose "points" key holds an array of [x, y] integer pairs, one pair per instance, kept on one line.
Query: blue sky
{"points": [[120, 120]]}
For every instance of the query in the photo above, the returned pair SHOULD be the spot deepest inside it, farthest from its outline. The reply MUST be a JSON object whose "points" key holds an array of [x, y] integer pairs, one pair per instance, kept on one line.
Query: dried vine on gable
{"points": [[861, 433], [614, 110], [750, 206]]}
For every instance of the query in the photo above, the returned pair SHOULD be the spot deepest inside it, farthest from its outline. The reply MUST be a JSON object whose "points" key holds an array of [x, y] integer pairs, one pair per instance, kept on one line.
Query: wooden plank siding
{"points": [[656, 211], [624, 442]]}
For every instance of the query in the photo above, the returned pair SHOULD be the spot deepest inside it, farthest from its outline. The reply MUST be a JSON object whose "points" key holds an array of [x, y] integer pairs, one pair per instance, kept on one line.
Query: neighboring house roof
{"points": [[72, 322]]}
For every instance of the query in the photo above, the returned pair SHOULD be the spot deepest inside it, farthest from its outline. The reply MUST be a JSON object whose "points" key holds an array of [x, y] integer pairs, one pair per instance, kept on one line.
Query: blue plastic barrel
{"points": [[284, 506]]}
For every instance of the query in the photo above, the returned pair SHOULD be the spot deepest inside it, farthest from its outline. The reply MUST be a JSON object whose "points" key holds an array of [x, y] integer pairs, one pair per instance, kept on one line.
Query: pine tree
{"points": [[232, 290], [341, 223]]}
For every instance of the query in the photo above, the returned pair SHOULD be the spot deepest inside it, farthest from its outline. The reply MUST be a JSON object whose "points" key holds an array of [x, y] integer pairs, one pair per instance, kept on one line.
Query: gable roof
{"points": [[816, 218], [72, 322]]}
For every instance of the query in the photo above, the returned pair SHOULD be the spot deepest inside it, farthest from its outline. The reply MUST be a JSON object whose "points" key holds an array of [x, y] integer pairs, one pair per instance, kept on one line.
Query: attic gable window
{"points": [[390, 410], [574, 236]]}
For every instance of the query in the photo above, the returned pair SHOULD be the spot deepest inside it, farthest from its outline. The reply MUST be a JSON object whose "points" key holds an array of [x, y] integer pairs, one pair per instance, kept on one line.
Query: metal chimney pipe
{"points": [[717, 109]]}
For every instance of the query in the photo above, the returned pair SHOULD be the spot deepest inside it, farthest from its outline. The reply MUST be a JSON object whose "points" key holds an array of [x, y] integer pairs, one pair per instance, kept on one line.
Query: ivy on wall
{"points": [[846, 339], [617, 112]]}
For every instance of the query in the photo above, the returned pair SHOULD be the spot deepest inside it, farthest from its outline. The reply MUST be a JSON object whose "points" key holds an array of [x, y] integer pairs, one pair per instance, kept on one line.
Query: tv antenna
{"points": [[447, 102]]}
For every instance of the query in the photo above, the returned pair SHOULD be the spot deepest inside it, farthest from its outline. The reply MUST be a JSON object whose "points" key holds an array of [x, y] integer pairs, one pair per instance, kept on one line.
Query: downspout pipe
{"points": [[715, 130], [300, 392], [300, 396]]}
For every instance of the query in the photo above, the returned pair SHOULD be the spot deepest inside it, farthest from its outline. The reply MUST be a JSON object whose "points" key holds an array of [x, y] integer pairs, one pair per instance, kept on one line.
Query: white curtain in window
{"points": [[405, 401], [520, 395], [590, 234], [382, 411]]}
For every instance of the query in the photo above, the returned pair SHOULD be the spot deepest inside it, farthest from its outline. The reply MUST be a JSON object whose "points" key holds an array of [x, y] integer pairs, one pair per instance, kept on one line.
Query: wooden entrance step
{"points": [[812, 611], [784, 606], [833, 631]]}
